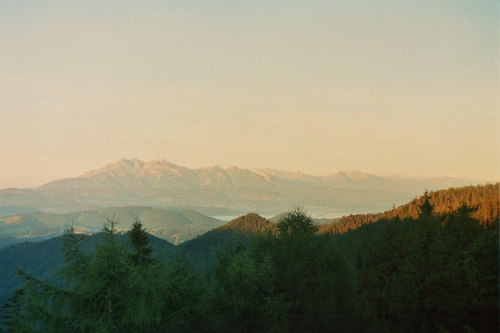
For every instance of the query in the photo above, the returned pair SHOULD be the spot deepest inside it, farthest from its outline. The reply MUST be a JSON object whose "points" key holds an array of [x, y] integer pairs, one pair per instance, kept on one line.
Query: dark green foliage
{"points": [[436, 273], [139, 239], [296, 226], [100, 292], [244, 300], [290, 280], [106, 292], [13, 315], [417, 285], [183, 298], [380, 271], [75, 262]]}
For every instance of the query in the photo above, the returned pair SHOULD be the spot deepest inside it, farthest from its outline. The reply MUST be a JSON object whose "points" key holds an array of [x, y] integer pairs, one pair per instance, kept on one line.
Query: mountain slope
{"points": [[202, 249], [40, 259], [485, 198], [176, 226]]}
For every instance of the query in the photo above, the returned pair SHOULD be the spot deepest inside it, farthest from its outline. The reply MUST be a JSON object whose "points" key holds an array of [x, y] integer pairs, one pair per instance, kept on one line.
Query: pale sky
{"points": [[384, 87]]}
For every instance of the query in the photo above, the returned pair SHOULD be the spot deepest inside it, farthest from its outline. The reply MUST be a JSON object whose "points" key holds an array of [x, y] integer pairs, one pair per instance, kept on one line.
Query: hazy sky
{"points": [[385, 87]]}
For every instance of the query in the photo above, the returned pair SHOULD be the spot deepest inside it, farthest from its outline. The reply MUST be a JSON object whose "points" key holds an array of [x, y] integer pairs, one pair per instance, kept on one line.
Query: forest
{"points": [[431, 265]]}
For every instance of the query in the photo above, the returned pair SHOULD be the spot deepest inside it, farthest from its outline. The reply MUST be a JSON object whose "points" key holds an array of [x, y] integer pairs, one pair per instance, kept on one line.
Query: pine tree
{"points": [[103, 290], [425, 209], [419, 277], [139, 239], [75, 260], [296, 224]]}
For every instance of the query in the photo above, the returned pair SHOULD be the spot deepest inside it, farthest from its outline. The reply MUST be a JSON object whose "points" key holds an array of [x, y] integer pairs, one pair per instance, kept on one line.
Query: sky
{"points": [[387, 87]]}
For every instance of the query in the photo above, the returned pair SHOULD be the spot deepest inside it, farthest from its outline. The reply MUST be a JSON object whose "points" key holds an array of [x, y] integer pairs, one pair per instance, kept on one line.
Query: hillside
{"points": [[175, 226], [484, 197], [243, 228], [40, 259], [202, 249]]}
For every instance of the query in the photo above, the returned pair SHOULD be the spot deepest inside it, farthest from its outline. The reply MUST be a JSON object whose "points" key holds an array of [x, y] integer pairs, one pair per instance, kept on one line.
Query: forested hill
{"points": [[248, 225], [201, 250], [483, 198]]}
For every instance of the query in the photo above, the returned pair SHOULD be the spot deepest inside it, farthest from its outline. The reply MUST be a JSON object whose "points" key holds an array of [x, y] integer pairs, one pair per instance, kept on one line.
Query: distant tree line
{"points": [[437, 271]]}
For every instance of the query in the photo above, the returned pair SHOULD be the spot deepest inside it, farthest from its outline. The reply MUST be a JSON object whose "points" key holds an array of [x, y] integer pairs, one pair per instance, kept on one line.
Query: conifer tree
{"points": [[425, 209], [139, 239], [417, 280], [75, 261], [105, 286]]}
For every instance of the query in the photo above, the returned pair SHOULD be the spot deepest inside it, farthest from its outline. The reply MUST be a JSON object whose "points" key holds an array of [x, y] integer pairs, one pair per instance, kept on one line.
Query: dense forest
{"points": [[429, 266], [483, 198]]}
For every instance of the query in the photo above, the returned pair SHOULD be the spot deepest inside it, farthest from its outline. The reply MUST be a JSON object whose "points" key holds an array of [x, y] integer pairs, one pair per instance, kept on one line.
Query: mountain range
{"points": [[223, 191]]}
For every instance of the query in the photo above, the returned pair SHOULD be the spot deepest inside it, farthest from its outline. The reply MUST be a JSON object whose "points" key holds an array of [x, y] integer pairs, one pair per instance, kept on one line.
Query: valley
{"points": [[459, 223]]}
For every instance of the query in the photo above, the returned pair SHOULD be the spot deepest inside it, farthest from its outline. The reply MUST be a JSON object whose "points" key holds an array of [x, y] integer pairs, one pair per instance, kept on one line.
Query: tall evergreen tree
{"points": [[104, 288], [139, 239], [417, 279], [75, 261], [425, 209]]}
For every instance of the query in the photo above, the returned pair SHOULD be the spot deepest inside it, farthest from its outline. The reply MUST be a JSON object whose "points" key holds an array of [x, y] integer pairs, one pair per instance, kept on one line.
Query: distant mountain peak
{"points": [[125, 164], [354, 174], [213, 167]]}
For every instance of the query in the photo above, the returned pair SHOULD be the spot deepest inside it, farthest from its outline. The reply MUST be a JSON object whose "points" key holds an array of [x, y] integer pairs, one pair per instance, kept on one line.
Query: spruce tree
{"points": [[418, 277], [139, 239], [103, 291], [425, 208]]}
